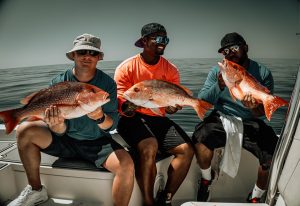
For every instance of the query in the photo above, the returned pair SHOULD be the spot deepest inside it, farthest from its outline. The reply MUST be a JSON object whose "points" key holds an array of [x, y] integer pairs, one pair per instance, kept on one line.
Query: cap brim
{"points": [[70, 56], [139, 43], [227, 45]]}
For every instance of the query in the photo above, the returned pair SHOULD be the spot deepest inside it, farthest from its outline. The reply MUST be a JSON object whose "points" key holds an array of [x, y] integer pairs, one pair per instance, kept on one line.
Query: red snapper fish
{"points": [[74, 99], [155, 94], [240, 83]]}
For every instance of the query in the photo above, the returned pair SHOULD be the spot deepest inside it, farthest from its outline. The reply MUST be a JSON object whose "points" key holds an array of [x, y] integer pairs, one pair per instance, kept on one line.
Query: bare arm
{"points": [[99, 114]]}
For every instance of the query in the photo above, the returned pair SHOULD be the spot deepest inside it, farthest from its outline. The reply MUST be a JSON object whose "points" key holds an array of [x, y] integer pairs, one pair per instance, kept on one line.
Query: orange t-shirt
{"points": [[134, 70]]}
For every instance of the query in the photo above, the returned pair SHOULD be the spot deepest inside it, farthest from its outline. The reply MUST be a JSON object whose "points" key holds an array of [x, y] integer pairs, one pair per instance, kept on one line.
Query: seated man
{"points": [[144, 130], [86, 137], [258, 137]]}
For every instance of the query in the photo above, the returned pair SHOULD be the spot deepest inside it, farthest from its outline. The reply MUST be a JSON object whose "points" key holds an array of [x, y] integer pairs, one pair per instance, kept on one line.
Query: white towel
{"points": [[234, 129]]}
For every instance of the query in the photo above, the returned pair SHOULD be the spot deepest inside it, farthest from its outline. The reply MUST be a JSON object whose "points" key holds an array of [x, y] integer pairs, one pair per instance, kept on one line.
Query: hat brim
{"points": [[70, 55], [227, 45], [139, 43]]}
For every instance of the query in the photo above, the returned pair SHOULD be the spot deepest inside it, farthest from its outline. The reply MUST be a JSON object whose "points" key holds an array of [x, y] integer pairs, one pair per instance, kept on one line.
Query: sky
{"points": [[40, 32]]}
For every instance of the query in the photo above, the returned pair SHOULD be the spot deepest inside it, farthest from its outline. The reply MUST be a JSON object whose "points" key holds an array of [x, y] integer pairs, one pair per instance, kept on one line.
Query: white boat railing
{"points": [[283, 148]]}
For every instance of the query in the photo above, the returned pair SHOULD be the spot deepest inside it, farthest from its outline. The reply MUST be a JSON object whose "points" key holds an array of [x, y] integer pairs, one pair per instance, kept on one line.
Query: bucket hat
{"points": [[85, 42]]}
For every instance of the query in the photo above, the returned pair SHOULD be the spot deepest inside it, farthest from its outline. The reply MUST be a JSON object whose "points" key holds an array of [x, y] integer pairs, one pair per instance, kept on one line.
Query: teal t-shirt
{"points": [[84, 128], [222, 100]]}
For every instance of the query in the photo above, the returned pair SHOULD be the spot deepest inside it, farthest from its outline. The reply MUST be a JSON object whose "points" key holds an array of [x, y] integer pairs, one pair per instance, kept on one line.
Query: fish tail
{"points": [[10, 120], [272, 104], [202, 107]]}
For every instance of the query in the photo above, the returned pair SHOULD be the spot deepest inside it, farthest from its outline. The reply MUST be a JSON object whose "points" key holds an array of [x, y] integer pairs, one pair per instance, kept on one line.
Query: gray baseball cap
{"points": [[85, 42]]}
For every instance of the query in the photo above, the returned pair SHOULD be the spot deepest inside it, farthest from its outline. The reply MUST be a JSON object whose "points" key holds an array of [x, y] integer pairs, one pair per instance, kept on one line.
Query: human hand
{"points": [[97, 114], [172, 110], [249, 102], [53, 116], [221, 82], [129, 108]]}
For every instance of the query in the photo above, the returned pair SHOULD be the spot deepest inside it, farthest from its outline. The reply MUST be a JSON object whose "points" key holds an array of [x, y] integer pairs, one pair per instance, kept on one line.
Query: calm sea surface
{"points": [[16, 83]]}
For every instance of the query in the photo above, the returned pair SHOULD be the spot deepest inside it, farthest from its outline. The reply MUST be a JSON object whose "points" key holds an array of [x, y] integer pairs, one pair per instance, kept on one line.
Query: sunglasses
{"points": [[160, 39], [234, 48], [89, 52]]}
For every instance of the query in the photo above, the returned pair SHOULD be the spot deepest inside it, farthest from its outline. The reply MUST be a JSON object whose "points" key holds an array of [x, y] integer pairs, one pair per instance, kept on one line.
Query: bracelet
{"points": [[100, 120]]}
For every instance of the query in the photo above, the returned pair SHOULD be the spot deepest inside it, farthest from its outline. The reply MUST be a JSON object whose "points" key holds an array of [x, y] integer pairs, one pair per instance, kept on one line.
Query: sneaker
{"points": [[252, 200], [204, 188], [29, 197]]}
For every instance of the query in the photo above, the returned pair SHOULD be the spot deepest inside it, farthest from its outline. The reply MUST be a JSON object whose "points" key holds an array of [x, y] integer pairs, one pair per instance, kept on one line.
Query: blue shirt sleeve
{"points": [[268, 81], [210, 90], [111, 108]]}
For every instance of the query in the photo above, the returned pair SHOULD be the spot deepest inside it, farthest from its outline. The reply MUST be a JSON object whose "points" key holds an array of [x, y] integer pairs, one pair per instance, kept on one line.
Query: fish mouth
{"points": [[126, 96], [106, 100]]}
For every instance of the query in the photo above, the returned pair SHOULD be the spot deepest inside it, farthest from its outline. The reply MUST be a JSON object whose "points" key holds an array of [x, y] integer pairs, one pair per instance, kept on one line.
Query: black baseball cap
{"points": [[149, 29], [231, 39]]}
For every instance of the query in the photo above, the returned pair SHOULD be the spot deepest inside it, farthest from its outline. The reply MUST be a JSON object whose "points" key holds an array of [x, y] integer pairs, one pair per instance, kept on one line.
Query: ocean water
{"points": [[17, 83]]}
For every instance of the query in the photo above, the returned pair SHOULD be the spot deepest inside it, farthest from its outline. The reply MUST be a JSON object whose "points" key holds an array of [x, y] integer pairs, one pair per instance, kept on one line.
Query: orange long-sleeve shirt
{"points": [[134, 70]]}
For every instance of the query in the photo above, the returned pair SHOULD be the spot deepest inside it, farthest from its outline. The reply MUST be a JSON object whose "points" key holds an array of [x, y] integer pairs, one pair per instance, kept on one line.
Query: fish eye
{"points": [[136, 89]]}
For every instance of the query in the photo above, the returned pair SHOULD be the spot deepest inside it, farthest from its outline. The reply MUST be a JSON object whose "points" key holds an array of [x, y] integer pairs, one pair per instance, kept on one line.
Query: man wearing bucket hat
{"points": [[86, 137], [146, 132], [258, 137]]}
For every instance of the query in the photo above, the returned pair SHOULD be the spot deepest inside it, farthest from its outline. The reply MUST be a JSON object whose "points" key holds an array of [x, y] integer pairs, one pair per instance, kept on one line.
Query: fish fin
{"points": [[202, 107], [27, 99], [232, 96], [186, 90], [157, 111], [10, 120], [272, 104]]}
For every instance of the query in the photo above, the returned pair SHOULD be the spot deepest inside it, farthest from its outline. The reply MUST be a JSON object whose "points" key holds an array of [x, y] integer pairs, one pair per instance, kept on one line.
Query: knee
{"points": [[147, 154], [127, 165], [23, 134], [147, 149], [125, 168], [188, 150]]}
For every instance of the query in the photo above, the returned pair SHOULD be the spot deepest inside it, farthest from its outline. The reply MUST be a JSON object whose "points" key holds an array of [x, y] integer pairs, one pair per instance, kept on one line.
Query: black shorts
{"points": [[95, 151], [139, 127], [258, 138]]}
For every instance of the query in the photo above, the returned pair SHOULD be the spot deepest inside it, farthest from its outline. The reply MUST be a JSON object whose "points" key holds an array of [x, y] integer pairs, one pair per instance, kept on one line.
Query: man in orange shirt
{"points": [[146, 132]]}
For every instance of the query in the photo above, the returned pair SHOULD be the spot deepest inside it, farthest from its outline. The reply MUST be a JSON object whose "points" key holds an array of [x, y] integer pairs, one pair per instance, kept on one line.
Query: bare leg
{"points": [[121, 164], [31, 137], [203, 155], [179, 167], [146, 169]]}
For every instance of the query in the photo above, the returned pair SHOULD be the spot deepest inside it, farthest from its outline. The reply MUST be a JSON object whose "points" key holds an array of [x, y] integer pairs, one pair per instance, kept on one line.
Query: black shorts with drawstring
{"points": [[94, 151], [139, 127], [258, 138]]}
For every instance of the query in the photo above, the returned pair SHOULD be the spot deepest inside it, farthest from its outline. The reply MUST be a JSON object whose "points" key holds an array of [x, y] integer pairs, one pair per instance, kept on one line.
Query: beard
{"points": [[159, 51]]}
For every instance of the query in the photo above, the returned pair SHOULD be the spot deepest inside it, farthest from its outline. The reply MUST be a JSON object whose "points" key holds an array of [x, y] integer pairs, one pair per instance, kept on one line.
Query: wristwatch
{"points": [[100, 120]]}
